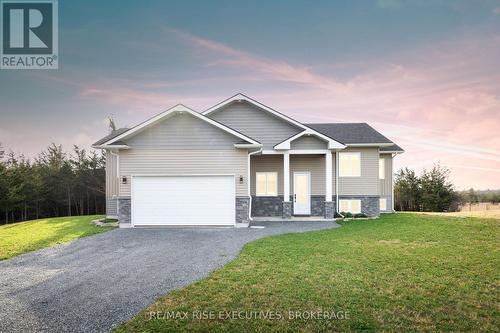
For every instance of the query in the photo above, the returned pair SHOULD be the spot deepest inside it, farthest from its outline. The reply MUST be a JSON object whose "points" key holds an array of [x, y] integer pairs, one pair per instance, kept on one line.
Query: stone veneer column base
{"points": [[287, 210], [124, 211], [329, 209], [242, 205]]}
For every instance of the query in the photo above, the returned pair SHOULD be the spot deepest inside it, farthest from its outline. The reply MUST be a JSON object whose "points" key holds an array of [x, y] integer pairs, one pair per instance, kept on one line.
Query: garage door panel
{"points": [[183, 200]]}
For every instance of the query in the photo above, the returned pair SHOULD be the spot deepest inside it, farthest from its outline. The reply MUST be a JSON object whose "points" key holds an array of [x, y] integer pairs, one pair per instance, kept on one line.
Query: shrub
{"points": [[346, 214], [360, 215]]}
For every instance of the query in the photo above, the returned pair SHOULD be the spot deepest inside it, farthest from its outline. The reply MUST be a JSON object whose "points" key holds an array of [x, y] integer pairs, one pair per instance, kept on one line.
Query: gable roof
{"points": [[241, 97], [332, 143], [106, 142], [353, 134]]}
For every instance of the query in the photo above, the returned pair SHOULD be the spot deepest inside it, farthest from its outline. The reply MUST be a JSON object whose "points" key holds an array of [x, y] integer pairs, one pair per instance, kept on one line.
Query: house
{"points": [[241, 159]]}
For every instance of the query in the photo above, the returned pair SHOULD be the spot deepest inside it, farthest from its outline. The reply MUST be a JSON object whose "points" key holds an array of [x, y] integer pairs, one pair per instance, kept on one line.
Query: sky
{"points": [[424, 73]]}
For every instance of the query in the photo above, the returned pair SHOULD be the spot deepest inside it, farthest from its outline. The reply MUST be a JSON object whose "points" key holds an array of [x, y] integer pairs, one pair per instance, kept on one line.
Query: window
{"points": [[351, 206], [381, 168], [383, 204], [266, 184], [349, 164]]}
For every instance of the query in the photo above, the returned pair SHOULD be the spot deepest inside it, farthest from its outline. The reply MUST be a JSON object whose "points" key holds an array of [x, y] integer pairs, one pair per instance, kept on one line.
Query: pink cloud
{"points": [[441, 101]]}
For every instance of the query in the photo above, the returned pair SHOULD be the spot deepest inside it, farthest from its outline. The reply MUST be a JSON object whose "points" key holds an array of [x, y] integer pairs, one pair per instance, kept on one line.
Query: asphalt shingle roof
{"points": [[392, 148], [111, 135], [343, 132], [349, 133]]}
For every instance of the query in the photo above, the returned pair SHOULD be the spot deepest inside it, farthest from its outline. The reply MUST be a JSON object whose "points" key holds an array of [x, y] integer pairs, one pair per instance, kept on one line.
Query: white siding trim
{"points": [[332, 144], [296, 152]]}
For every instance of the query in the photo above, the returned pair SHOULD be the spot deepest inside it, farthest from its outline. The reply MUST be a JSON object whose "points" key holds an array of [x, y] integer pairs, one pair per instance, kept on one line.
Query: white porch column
{"points": [[329, 174], [286, 176]]}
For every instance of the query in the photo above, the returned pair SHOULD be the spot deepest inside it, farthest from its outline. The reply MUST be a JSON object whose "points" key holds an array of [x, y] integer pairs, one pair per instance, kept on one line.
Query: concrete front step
{"points": [[292, 219]]}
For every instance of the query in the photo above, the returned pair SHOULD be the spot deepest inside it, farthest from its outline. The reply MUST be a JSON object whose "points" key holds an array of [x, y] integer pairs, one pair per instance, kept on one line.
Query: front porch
{"points": [[293, 185], [262, 220]]}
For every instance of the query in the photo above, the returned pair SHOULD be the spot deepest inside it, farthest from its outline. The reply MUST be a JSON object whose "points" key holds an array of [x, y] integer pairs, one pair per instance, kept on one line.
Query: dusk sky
{"points": [[424, 73]]}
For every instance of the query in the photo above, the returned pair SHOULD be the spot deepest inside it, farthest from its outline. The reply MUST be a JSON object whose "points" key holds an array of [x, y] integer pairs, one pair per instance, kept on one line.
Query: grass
{"points": [[402, 272], [19, 238]]}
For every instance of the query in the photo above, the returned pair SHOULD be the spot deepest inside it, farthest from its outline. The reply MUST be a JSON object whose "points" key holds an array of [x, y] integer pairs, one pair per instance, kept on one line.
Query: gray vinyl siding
{"points": [[315, 164], [266, 163], [183, 162], [308, 142], [183, 131], [111, 207], [183, 145], [256, 123], [111, 183], [368, 182], [386, 184]]}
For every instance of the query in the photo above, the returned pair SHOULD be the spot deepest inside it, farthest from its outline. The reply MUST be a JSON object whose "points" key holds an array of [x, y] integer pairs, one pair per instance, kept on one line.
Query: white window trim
{"points": [[267, 190], [380, 204], [340, 168], [381, 168], [349, 204]]}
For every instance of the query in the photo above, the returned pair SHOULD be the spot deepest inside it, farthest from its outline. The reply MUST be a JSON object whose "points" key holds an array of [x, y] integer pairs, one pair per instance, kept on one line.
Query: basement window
{"points": [[352, 206]]}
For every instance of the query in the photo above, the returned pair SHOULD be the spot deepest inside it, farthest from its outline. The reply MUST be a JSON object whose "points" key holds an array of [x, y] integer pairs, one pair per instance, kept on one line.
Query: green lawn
{"points": [[28, 236], [402, 272]]}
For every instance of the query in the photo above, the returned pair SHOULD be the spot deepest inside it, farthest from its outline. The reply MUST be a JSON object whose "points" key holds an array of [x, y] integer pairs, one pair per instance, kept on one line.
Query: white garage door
{"points": [[183, 200]]}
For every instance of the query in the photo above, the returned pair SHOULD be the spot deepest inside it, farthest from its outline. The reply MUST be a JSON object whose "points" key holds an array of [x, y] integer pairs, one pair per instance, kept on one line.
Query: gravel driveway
{"points": [[94, 283]]}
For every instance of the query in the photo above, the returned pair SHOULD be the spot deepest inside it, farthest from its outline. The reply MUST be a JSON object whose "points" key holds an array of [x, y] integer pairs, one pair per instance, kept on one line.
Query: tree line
{"points": [[54, 183], [472, 196], [432, 191]]}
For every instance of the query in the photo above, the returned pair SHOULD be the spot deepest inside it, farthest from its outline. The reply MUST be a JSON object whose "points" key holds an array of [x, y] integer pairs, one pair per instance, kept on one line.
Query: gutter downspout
{"points": [[392, 182], [337, 183], [248, 183], [118, 180]]}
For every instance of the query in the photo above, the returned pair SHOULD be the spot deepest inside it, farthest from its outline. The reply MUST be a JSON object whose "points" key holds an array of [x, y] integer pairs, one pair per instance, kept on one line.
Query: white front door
{"points": [[301, 193]]}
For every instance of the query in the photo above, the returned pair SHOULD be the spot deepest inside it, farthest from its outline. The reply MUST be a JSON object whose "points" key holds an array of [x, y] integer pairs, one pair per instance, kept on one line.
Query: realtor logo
{"points": [[29, 34]]}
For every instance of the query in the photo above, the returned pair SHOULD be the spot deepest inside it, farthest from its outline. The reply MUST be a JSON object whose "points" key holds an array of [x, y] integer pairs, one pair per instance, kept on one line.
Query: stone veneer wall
{"points": [[267, 206], [124, 210], [242, 205], [273, 206]]}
